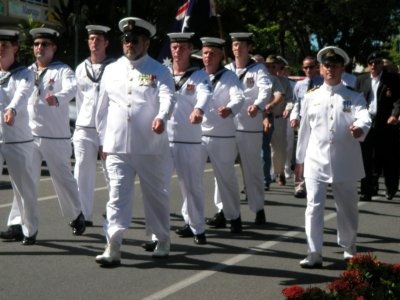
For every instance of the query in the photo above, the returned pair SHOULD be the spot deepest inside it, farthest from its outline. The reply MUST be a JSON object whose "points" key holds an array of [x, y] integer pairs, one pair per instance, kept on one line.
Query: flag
{"points": [[191, 16]]}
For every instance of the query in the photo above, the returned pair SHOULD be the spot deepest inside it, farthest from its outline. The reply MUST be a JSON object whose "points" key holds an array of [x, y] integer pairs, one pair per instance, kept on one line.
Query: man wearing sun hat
{"points": [[16, 141], [85, 138], [137, 97], [334, 120], [219, 133], [257, 87], [55, 87]]}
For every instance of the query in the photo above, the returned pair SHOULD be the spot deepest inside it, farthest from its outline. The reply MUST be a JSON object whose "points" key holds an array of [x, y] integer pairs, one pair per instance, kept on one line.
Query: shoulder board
{"points": [[350, 88], [313, 89]]}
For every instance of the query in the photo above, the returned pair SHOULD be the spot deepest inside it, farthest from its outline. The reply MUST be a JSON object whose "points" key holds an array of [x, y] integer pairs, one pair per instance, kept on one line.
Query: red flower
{"points": [[294, 292]]}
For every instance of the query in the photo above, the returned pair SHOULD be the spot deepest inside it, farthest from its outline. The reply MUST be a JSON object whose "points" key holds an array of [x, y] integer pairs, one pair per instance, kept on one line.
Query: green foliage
{"points": [[291, 28], [25, 53]]}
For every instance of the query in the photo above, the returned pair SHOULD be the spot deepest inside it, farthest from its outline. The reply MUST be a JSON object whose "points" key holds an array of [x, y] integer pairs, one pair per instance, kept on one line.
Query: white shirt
{"points": [[14, 93], [257, 88], [227, 92], [196, 92], [52, 121], [373, 96]]}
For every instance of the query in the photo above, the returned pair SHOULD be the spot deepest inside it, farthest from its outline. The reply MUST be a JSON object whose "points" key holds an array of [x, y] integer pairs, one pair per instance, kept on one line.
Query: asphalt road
{"points": [[256, 264]]}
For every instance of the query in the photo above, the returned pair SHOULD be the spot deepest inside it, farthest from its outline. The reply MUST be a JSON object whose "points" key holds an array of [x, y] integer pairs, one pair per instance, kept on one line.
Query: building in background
{"points": [[13, 12]]}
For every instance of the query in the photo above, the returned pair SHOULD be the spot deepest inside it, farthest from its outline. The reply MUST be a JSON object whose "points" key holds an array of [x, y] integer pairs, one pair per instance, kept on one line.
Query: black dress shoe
{"points": [[260, 218], [14, 232], [184, 231], [266, 187], [218, 221], [389, 196], [236, 225], [27, 241], [200, 239], [88, 223], [149, 246], [78, 225], [365, 197]]}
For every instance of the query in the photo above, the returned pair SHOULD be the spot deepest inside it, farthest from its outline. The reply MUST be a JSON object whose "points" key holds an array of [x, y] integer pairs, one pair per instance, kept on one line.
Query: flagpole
{"points": [[213, 7]]}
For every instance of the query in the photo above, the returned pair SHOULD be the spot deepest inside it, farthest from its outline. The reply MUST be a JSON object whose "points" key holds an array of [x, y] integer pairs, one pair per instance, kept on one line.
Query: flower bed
{"points": [[366, 278]]}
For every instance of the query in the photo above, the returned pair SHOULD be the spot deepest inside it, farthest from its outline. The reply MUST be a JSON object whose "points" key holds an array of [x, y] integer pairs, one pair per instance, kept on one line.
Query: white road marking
{"points": [[180, 285]]}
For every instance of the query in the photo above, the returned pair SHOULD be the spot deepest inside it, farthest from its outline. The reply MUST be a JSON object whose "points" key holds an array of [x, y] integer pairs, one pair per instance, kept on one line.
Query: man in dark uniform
{"points": [[381, 146]]}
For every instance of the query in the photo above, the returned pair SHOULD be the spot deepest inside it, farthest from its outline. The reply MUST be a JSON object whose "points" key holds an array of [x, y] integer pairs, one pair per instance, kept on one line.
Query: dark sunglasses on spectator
{"points": [[375, 61], [308, 67], [43, 44]]}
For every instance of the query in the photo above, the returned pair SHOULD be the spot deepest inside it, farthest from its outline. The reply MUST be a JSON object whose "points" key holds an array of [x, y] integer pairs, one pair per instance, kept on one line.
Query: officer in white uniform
{"points": [[334, 120], [219, 134], [16, 141], [55, 87], [249, 121], [136, 100], [85, 138], [193, 92]]}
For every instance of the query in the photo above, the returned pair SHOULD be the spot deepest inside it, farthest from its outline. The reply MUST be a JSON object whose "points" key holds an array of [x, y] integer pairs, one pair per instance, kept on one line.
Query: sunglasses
{"points": [[130, 40], [374, 62], [308, 67], [43, 44]]}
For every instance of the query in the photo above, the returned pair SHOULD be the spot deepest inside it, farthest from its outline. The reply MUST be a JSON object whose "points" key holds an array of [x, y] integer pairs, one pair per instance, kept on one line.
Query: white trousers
{"points": [[346, 200], [188, 162], [290, 146], [57, 154], [86, 152], [19, 165], [222, 153], [279, 145], [122, 170]]}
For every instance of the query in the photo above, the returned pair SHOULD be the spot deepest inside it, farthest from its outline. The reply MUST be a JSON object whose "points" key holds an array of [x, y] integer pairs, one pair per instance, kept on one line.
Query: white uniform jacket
{"points": [[15, 88], [227, 92], [196, 92], [52, 121], [88, 75], [257, 87], [132, 95], [325, 144]]}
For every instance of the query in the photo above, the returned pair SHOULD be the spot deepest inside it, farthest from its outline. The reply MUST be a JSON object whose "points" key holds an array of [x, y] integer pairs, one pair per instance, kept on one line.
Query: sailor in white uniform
{"points": [[137, 97], [257, 87], [193, 92], [334, 120], [219, 134], [16, 141], [55, 87], [85, 138]]}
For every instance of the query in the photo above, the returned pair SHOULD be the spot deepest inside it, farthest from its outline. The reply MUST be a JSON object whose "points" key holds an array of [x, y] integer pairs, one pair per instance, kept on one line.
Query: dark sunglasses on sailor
{"points": [[43, 44], [132, 39]]}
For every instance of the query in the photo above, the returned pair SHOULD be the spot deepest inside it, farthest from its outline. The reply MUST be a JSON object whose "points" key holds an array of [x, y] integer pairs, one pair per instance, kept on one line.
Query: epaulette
{"points": [[313, 89], [350, 88]]}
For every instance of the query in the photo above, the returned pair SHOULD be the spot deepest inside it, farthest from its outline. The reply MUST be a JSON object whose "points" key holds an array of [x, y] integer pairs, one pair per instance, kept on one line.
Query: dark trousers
{"points": [[380, 151]]}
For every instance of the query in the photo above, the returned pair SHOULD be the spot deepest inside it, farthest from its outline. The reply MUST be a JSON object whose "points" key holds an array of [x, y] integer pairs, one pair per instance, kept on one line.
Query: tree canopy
{"points": [[291, 28]]}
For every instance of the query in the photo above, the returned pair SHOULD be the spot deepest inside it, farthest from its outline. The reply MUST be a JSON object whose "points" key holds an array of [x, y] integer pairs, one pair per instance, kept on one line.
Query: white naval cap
{"points": [[332, 54], [44, 33], [97, 29], [9, 35], [241, 36], [133, 25], [212, 42], [181, 37]]}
